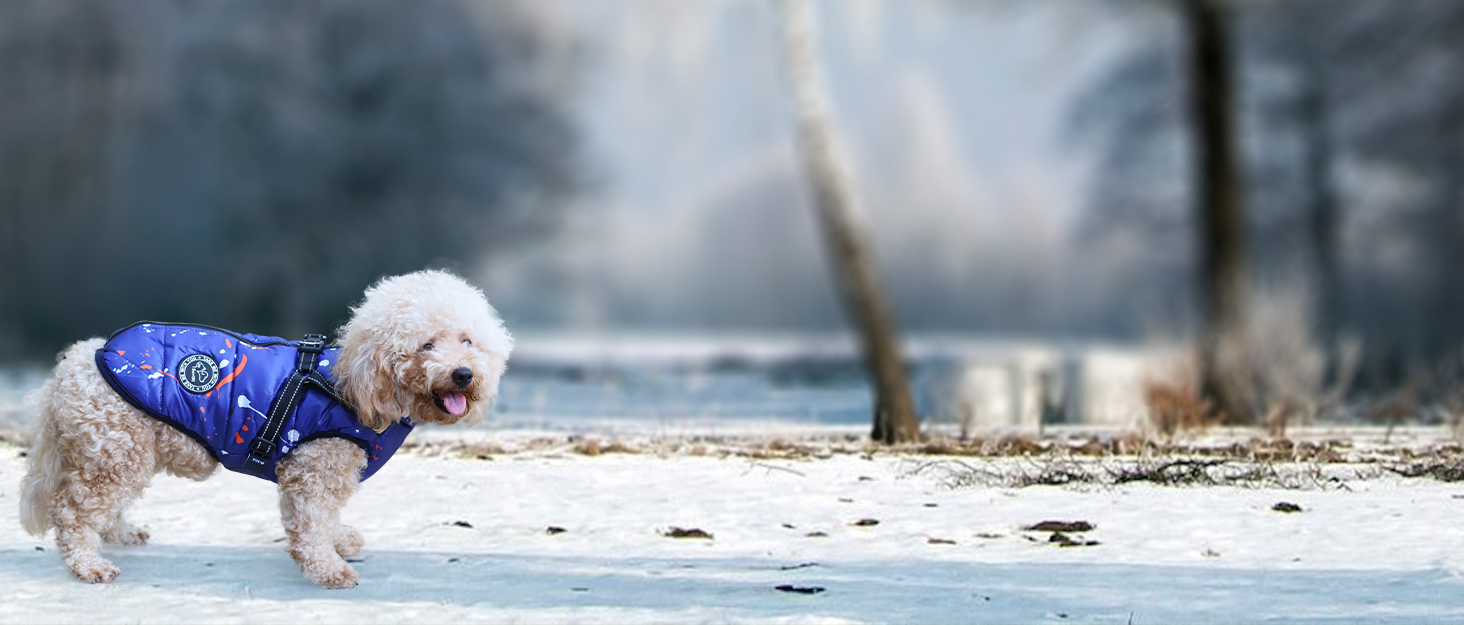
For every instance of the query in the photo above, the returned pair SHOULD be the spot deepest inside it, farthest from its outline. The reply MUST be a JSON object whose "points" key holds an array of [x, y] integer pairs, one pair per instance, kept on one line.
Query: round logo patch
{"points": [[198, 373]]}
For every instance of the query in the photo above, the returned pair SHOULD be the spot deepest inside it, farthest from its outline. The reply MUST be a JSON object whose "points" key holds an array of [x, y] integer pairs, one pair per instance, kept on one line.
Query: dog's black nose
{"points": [[462, 376]]}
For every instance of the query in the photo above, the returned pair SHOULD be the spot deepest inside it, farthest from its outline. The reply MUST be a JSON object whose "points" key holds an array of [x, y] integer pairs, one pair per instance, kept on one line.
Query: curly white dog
{"points": [[425, 346]]}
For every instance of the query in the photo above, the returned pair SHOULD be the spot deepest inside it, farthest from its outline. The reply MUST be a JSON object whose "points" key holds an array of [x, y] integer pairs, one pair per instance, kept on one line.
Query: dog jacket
{"points": [[222, 388]]}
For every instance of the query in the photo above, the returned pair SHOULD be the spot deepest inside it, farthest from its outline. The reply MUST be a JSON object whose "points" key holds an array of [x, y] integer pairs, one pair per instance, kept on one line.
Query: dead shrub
{"points": [[588, 447], [1110, 472], [1287, 361], [1175, 406], [619, 447], [593, 447]]}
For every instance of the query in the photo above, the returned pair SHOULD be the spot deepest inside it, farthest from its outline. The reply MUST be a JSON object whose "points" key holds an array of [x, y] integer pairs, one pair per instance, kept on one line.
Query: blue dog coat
{"points": [[218, 387]]}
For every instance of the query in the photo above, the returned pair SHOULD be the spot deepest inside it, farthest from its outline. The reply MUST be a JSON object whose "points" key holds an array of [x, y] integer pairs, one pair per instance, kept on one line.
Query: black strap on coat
{"points": [[289, 396]]}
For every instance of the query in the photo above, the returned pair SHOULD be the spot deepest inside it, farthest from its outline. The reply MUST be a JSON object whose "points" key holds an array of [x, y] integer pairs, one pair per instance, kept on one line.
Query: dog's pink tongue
{"points": [[455, 403]]}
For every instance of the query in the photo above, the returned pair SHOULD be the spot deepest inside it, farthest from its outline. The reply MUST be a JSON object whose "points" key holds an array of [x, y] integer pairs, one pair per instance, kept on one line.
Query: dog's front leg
{"points": [[316, 480]]}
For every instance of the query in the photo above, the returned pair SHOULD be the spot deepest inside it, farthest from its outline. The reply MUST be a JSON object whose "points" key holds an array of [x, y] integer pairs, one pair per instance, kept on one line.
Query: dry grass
{"points": [[1176, 406], [1108, 472], [593, 447], [710, 446], [1016, 461], [1079, 462], [1287, 362], [1284, 378], [1256, 449], [1441, 469]]}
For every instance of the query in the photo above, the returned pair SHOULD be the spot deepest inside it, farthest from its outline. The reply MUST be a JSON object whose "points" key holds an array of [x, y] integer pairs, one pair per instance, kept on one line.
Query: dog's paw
{"points": [[95, 570], [123, 534], [342, 577], [348, 541]]}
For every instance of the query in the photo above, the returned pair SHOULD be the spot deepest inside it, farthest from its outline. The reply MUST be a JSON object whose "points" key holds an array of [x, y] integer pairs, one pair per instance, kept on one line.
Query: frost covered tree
{"points": [[832, 190], [1350, 160]]}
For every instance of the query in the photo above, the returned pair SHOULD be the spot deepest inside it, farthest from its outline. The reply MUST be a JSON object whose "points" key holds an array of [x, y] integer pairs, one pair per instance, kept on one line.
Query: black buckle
{"points": [[261, 447], [259, 454], [313, 343]]}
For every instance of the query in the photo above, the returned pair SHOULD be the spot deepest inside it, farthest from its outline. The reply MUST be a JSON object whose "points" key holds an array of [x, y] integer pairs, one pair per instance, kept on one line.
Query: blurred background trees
{"points": [[1349, 127], [1028, 172], [256, 164]]}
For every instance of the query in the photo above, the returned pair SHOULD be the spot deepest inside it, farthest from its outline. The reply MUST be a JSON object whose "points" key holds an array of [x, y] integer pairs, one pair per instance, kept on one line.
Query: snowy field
{"points": [[452, 539]]}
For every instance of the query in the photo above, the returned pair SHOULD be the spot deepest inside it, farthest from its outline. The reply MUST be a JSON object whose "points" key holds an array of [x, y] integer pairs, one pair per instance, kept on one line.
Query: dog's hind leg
{"points": [[175, 453], [316, 480], [112, 471], [178, 455], [109, 459], [88, 506]]}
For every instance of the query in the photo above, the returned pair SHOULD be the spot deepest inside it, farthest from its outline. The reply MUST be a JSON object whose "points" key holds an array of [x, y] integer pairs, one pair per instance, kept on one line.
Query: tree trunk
{"points": [[833, 198], [1223, 361]]}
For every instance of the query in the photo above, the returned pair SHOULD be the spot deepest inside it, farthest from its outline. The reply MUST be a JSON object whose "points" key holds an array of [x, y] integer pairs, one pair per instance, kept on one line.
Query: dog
{"points": [[421, 347]]}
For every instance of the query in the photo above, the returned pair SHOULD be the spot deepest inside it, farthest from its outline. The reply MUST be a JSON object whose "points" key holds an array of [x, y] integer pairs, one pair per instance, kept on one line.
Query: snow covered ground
{"points": [[463, 540]]}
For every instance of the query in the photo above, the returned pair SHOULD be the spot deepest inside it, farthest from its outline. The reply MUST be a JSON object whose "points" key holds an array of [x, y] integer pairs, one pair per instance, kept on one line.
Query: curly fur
{"points": [[93, 454], [385, 373]]}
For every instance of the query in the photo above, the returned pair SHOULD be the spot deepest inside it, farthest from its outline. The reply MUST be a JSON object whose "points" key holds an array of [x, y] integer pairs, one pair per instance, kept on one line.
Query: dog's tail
{"points": [[44, 464]]}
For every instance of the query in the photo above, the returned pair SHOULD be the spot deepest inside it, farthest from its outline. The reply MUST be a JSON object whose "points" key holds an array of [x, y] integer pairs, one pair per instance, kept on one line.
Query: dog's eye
{"points": [[427, 347], [467, 341]]}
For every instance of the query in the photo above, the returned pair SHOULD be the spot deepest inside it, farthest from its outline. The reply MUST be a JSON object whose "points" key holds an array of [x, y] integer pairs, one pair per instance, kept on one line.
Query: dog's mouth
{"points": [[451, 402]]}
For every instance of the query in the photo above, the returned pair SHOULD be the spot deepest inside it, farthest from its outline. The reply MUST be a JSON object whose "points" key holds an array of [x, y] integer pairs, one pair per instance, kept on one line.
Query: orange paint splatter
{"points": [[121, 352], [200, 409], [145, 367], [237, 439], [246, 428], [243, 360], [228, 344]]}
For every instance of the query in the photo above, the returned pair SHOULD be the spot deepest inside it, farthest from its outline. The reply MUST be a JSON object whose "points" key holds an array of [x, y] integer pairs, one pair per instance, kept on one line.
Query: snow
{"points": [[1380, 550]]}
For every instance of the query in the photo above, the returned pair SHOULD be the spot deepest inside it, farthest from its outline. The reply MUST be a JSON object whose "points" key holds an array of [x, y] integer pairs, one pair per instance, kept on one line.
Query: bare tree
{"points": [[1222, 294], [1353, 151], [834, 201]]}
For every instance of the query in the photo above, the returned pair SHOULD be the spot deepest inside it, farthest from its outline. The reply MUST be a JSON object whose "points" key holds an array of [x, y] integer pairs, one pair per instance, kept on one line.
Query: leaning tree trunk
{"points": [[833, 196], [1223, 361]]}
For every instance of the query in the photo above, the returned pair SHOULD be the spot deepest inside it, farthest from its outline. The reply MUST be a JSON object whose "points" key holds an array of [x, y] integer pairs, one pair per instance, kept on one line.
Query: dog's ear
{"points": [[366, 378]]}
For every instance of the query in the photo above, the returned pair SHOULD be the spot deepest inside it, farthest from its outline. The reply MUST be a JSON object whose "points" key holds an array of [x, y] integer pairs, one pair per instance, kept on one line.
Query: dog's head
{"points": [[425, 345]]}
